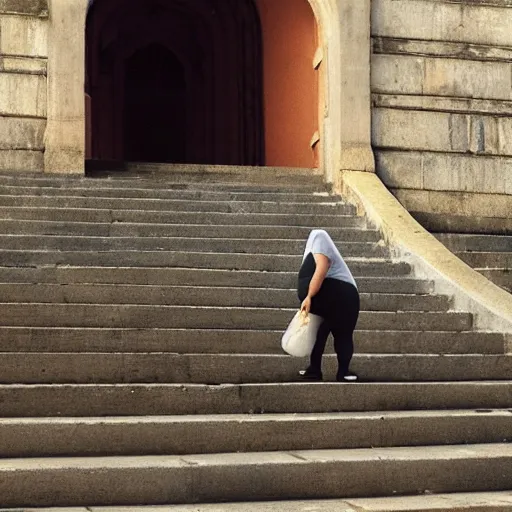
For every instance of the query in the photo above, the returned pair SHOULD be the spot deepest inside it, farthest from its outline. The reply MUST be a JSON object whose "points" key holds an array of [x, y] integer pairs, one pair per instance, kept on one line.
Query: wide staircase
{"points": [[140, 325], [491, 255]]}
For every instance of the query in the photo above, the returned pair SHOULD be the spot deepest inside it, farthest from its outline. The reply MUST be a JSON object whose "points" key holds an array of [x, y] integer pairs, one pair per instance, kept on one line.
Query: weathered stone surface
{"points": [[23, 35], [399, 74], [204, 296], [82, 400], [210, 245], [469, 502], [189, 317], [90, 340], [182, 435], [458, 242], [442, 132], [447, 21], [432, 130], [21, 160], [391, 46], [65, 140], [446, 172], [33, 368], [35, 198], [443, 104], [464, 203], [170, 217], [23, 65], [453, 223], [232, 477], [21, 133], [23, 95], [33, 7]]}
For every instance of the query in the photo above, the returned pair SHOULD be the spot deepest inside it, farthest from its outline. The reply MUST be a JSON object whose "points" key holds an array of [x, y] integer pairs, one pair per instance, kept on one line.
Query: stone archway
{"points": [[345, 109], [215, 48]]}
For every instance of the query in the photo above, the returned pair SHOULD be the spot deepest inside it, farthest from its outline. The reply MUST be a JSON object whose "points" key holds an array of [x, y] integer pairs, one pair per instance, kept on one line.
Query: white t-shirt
{"points": [[319, 242]]}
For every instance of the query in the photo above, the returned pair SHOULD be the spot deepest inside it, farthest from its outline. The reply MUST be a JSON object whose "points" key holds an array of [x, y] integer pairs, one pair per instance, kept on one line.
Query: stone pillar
{"points": [[354, 86], [65, 132]]}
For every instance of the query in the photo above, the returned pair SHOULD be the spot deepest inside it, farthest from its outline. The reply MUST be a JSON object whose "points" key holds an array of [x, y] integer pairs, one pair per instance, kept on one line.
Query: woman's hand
{"points": [[306, 305]]}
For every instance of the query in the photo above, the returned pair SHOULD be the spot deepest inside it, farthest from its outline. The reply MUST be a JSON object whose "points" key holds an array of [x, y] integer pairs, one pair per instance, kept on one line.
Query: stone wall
{"points": [[442, 109], [23, 69]]}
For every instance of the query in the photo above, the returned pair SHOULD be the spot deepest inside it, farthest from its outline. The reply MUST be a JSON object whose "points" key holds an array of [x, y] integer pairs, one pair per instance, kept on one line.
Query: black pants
{"points": [[337, 303]]}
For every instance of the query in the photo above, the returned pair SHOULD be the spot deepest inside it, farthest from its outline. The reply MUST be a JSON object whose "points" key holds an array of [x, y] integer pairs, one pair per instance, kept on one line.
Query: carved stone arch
{"points": [[344, 27]]}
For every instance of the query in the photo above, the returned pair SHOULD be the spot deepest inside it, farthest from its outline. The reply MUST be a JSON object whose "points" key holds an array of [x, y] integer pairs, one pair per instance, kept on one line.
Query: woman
{"points": [[327, 288]]}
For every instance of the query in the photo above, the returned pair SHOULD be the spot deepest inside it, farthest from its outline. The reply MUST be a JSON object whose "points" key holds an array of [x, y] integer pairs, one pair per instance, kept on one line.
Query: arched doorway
{"points": [[175, 81], [344, 95]]}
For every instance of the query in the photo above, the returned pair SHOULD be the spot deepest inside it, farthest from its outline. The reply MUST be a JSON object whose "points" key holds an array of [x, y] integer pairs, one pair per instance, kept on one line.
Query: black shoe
{"points": [[348, 377], [310, 375]]}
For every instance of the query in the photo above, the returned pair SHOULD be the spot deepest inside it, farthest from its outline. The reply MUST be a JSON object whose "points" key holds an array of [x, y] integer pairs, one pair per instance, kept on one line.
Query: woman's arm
{"points": [[322, 267]]}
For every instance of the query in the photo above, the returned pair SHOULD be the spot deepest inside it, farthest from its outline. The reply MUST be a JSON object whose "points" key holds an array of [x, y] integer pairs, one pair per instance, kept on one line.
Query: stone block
{"points": [[23, 36], [457, 21], [409, 129], [31, 7], [29, 65], [397, 74], [463, 78], [445, 172], [23, 95], [21, 160], [400, 169], [442, 132], [471, 204], [454, 223], [22, 133], [467, 173], [401, 74], [498, 108]]}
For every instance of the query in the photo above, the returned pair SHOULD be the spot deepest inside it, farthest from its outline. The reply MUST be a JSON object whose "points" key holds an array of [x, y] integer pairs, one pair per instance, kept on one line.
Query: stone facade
{"points": [[442, 106], [23, 70], [440, 99]]}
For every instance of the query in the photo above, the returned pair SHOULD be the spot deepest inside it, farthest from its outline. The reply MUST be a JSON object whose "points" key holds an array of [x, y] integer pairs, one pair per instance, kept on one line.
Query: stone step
{"points": [[198, 245], [160, 217], [123, 229], [260, 206], [218, 175], [85, 400], [189, 317], [305, 184], [154, 368], [148, 190], [151, 191], [308, 474], [202, 296], [491, 243], [453, 502], [193, 260], [184, 435], [501, 277], [394, 278], [487, 259], [197, 341]]}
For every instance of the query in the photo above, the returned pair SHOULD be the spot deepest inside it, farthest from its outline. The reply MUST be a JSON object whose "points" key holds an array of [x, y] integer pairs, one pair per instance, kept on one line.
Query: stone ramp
{"points": [[140, 319]]}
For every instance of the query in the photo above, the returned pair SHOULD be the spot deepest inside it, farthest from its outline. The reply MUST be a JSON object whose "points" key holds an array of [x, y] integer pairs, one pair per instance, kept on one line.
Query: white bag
{"points": [[300, 336]]}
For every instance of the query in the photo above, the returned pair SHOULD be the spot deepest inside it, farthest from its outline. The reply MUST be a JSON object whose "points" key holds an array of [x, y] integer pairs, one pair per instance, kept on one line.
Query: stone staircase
{"points": [[140, 364], [491, 255]]}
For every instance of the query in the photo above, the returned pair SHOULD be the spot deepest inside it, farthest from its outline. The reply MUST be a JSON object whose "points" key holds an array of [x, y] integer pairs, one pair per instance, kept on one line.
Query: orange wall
{"points": [[290, 82]]}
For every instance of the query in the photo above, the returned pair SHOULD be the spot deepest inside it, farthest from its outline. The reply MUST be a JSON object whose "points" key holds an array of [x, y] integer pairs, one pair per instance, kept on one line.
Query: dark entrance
{"points": [[155, 112], [175, 81]]}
